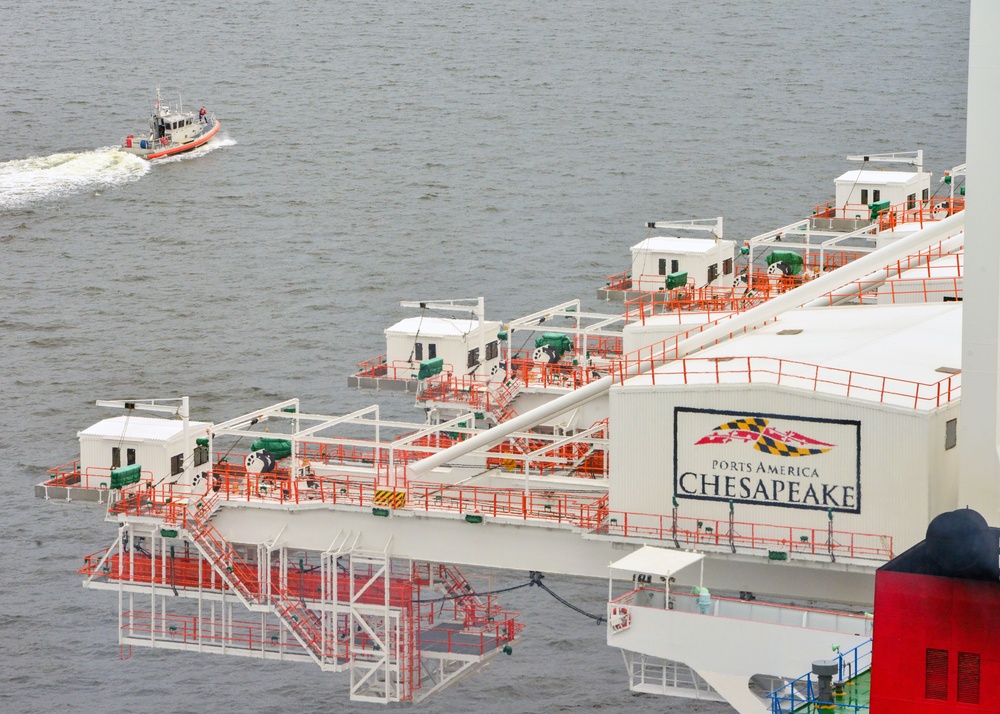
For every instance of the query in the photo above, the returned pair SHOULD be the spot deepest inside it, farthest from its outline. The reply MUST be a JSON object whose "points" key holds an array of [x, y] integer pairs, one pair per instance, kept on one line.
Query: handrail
{"points": [[813, 377]]}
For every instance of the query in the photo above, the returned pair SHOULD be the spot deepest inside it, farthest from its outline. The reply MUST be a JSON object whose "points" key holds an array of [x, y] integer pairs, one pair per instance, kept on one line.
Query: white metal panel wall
{"points": [[943, 489], [95, 452], [646, 266], [898, 457], [850, 192]]}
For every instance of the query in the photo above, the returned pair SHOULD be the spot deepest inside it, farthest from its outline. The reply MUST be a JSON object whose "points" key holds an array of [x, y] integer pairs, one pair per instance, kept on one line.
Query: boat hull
{"points": [[174, 149]]}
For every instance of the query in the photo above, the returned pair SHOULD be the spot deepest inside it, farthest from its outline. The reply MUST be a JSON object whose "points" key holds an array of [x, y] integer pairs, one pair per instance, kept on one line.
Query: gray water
{"points": [[375, 152]]}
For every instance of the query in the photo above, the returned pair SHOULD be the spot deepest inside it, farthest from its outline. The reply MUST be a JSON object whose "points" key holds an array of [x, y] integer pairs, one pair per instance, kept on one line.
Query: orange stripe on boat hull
{"points": [[186, 147]]}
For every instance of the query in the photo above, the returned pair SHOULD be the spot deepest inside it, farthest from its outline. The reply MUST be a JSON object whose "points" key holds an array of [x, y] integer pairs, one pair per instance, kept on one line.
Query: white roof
{"points": [[656, 561], [439, 326], [904, 342], [141, 428], [673, 244], [878, 177]]}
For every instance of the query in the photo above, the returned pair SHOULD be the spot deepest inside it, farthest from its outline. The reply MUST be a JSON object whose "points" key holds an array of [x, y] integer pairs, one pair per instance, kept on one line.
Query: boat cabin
{"points": [[156, 445], [172, 122], [419, 345], [666, 262]]}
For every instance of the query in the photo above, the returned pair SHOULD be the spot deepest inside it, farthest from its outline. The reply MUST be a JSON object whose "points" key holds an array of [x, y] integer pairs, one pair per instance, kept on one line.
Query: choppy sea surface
{"points": [[373, 152]]}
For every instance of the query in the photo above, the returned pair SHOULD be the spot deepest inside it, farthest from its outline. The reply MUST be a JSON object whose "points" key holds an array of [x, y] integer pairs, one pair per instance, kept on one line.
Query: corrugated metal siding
{"points": [[95, 452], [898, 458]]}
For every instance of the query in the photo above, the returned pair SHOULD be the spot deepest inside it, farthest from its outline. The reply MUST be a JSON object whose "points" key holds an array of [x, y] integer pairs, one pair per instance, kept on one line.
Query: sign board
{"points": [[774, 460]]}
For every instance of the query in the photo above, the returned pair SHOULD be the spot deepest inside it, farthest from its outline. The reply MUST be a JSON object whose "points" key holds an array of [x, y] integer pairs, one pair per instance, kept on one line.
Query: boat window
{"points": [[116, 457], [911, 201], [663, 266], [876, 195], [200, 455], [176, 464], [473, 357], [418, 351], [926, 194], [950, 434], [727, 266], [864, 196], [713, 272], [675, 266], [432, 350], [129, 457], [492, 349]]}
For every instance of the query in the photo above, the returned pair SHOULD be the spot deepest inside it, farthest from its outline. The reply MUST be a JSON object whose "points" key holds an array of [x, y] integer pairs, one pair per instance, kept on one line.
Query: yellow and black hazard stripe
{"points": [[392, 499]]}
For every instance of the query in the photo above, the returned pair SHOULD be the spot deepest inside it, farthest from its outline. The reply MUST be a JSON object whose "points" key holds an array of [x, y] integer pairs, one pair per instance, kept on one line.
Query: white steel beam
{"points": [[979, 427]]}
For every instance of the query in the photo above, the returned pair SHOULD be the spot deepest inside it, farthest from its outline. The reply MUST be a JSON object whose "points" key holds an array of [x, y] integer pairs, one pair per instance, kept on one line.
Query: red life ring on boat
{"points": [[164, 141], [620, 618]]}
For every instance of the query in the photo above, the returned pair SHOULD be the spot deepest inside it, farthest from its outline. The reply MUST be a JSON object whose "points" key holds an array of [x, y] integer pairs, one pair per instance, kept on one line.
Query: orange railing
{"points": [[93, 478], [812, 377], [718, 533], [917, 210], [555, 506], [398, 369], [656, 354]]}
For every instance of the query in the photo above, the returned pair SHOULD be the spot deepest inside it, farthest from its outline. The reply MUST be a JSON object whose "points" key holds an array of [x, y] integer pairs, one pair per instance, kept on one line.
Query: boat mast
{"points": [[979, 426]]}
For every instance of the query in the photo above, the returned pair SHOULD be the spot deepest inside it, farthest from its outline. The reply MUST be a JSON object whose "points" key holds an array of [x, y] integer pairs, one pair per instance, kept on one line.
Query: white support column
{"points": [[979, 430]]}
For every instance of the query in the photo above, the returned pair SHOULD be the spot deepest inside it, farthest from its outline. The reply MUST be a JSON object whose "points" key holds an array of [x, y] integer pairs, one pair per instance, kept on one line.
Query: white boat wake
{"points": [[217, 142], [39, 178]]}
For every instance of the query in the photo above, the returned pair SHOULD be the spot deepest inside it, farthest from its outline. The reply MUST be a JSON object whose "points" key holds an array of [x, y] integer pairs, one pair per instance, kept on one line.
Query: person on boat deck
{"points": [[203, 116], [704, 599]]}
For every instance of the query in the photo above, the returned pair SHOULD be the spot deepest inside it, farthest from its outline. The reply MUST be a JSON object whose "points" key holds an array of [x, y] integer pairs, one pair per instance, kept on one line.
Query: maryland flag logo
{"points": [[764, 438]]}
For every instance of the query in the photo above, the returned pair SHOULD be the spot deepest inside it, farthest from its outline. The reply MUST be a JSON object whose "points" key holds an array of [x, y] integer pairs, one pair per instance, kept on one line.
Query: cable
{"points": [[477, 594], [416, 336], [536, 579], [863, 164]]}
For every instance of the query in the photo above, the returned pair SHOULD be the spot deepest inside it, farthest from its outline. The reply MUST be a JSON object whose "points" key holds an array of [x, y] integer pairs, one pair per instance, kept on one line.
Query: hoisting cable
{"points": [[472, 593], [416, 336], [863, 164], [536, 579]]}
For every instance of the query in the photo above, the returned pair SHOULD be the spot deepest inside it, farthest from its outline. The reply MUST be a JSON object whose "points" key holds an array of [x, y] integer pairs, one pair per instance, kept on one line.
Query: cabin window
{"points": [[950, 434], [200, 455], [492, 350], [432, 350], [911, 201], [176, 464], [116, 457], [663, 266], [926, 194], [936, 675], [675, 266], [418, 351], [713, 272], [473, 357], [864, 196], [727, 266], [968, 678], [129, 456]]}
